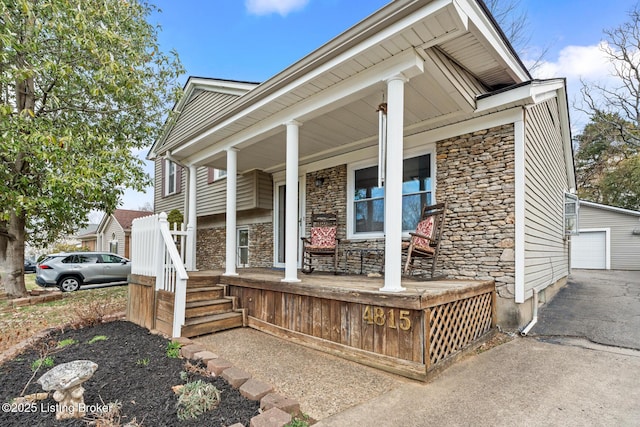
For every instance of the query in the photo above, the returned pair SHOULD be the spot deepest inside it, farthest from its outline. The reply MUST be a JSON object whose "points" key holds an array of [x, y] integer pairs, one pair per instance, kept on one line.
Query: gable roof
{"points": [[610, 208], [87, 232], [201, 96], [450, 51], [124, 218]]}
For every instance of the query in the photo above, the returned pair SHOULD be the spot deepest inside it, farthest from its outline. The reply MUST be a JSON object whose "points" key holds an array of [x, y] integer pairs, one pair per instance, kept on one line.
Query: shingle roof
{"points": [[125, 217]]}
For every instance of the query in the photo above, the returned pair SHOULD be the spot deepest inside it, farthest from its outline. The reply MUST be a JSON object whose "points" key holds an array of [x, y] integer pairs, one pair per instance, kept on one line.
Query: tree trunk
{"points": [[12, 234]]}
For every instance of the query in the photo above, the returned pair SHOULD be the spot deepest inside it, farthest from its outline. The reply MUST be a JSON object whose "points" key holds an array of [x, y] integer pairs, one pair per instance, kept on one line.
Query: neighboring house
{"points": [[88, 237], [83, 238], [114, 231], [609, 238], [465, 123]]}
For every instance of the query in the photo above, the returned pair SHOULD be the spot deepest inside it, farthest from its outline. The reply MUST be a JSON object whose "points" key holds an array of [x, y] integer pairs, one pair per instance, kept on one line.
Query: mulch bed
{"points": [[133, 369]]}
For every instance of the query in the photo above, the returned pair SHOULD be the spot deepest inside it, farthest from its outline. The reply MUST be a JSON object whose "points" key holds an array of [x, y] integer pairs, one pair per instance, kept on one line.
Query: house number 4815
{"points": [[378, 316]]}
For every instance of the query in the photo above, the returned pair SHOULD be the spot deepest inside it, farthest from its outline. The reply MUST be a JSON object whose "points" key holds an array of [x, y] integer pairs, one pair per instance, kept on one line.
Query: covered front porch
{"points": [[414, 333]]}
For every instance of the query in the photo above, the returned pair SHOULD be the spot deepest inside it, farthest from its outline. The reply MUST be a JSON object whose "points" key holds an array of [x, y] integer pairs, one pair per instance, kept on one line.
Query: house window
{"points": [[571, 208], [113, 244], [368, 199], [171, 177], [243, 247], [215, 174]]}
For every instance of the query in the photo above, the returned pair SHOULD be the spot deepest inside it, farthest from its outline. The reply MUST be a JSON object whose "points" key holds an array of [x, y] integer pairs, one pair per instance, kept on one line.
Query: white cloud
{"points": [[576, 63], [266, 7]]}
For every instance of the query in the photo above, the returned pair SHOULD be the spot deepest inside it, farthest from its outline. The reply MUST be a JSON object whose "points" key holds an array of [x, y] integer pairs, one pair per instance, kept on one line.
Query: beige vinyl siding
{"points": [[111, 228], [167, 203], [468, 85], [193, 118], [546, 249], [254, 191], [625, 247]]}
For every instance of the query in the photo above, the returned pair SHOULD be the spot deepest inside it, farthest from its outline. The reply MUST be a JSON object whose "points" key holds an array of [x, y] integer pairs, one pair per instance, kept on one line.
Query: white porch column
{"points": [[192, 221], [291, 205], [232, 172], [393, 185]]}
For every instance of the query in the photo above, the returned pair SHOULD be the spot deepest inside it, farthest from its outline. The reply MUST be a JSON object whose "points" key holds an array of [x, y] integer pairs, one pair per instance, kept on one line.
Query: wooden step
{"points": [[210, 324], [199, 281], [205, 293], [207, 307]]}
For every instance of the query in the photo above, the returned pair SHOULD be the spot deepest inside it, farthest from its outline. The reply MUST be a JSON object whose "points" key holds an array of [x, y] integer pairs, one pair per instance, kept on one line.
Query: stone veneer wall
{"points": [[331, 197], [476, 176], [211, 252]]}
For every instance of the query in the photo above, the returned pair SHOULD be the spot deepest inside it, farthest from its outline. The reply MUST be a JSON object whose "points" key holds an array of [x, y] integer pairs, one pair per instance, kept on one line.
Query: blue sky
{"points": [[251, 40]]}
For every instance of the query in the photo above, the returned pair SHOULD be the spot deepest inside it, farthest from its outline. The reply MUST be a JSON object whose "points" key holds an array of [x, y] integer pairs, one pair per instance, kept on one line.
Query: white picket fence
{"points": [[154, 252]]}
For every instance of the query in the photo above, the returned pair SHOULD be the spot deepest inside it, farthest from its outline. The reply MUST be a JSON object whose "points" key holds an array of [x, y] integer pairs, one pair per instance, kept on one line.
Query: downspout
{"points": [[531, 324]]}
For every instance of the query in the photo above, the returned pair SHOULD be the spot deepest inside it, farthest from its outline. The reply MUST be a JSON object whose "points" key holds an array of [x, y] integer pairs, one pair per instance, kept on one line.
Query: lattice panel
{"points": [[456, 324]]}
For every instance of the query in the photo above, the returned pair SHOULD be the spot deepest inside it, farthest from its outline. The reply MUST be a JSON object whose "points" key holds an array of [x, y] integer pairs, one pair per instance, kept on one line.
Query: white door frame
{"points": [[277, 225]]}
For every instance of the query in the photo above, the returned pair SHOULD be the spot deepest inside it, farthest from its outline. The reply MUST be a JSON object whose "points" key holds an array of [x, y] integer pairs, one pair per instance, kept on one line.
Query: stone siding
{"points": [[331, 197], [476, 176], [211, 252]]}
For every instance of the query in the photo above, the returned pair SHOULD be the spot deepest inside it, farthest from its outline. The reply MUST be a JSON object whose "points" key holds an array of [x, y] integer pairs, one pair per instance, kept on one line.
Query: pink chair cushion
{"points": [[323, 237], [425, 227]]}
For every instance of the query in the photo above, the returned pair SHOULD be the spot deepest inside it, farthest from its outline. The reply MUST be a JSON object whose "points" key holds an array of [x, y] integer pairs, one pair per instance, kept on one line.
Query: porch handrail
{"points": [[154, 253]]}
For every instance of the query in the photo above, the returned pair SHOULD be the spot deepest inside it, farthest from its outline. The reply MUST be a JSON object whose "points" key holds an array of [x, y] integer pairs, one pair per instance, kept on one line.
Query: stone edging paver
{"points": [[277, 410]]}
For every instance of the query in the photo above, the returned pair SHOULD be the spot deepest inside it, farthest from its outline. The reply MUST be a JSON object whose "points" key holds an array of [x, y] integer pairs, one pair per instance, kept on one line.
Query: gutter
{"points": [[531, 324]]}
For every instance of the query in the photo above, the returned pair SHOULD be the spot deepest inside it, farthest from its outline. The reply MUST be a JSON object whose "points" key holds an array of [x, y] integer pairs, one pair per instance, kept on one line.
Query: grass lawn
{"points": [[20, 323]]}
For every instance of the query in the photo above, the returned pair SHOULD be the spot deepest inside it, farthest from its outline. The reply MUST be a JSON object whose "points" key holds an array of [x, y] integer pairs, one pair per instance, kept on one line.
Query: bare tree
{"points": [[514, 22], [623, 98], [608, 155]]}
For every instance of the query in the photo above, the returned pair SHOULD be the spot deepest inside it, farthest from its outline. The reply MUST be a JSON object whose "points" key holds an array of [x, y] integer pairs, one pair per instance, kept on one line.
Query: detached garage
{"points": [[609, 238]]}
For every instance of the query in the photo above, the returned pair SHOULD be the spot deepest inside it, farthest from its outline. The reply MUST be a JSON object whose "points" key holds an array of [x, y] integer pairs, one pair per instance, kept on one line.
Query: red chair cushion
{"points": [[425, 227], [323, 237]]}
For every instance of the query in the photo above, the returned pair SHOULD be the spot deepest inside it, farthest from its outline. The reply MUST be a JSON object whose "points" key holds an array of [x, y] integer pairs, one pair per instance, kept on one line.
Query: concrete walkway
{"points": [[562, 379], [520, 383]]}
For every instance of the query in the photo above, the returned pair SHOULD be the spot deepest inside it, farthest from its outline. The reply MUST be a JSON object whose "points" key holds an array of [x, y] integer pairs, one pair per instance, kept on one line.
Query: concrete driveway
{"points": [[559, 377], [600, 306]]}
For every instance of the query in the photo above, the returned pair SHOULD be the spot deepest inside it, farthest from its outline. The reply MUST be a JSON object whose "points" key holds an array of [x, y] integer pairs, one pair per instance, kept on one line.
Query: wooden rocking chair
{"points": [[425, 241], [321, 242]]}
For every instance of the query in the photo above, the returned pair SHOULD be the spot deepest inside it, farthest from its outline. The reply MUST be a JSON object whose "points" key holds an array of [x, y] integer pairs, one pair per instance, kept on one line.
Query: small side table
{"points": [[362, 252]]}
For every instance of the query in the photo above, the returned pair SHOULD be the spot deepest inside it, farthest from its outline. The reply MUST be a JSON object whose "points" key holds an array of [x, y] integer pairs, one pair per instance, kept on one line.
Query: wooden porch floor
{"points": [[417, 293], [415, 332]]}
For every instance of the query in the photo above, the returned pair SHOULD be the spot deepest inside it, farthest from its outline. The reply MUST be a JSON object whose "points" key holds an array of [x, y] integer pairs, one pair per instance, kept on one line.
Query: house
{"points": [[609, 238], [88, 237], [114, 231], [428, 97]]}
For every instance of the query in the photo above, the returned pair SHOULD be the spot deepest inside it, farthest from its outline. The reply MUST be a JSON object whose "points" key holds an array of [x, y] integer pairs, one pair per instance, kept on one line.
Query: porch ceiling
{"points": [[335, 91]]}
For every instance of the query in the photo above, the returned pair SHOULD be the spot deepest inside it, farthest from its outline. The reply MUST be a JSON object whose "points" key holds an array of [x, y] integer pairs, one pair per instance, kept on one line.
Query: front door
{"points": [[280, 221]]}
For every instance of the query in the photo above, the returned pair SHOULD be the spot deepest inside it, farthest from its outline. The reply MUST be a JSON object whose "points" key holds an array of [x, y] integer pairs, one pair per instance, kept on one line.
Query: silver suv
{"points": [[69, 271]]}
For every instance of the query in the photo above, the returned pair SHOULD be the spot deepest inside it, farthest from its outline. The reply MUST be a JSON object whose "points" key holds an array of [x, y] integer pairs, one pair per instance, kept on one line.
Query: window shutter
{"points": [[163, 177], [178, 178]]}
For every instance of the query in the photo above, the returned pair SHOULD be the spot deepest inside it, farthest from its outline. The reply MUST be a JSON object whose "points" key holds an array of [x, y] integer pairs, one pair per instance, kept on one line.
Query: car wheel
{"points": [[69, 284]]}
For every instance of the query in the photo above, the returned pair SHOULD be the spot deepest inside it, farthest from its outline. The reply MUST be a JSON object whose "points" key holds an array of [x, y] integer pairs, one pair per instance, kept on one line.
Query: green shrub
{"points": [[66, 342], [196, 398], [46, 362], [173, 349], [98, 338]]}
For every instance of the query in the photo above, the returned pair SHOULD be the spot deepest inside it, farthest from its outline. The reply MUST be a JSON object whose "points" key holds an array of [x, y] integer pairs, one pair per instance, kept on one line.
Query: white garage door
{"points": [[589, 250]]}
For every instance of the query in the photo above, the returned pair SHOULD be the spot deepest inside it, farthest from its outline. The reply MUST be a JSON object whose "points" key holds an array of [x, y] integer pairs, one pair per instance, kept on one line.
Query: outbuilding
{"points": [[609, 238]]}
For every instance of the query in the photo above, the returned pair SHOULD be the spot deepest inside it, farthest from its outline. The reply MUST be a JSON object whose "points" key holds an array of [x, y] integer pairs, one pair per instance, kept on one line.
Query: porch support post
{"points": [[393, 185], [291, 205], [192, 222], [232, 172]]}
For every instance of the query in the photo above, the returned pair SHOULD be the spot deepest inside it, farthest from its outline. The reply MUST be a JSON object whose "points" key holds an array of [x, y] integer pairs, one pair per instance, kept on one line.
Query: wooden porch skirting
{"points": [[414, 333], [148, 307]]}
